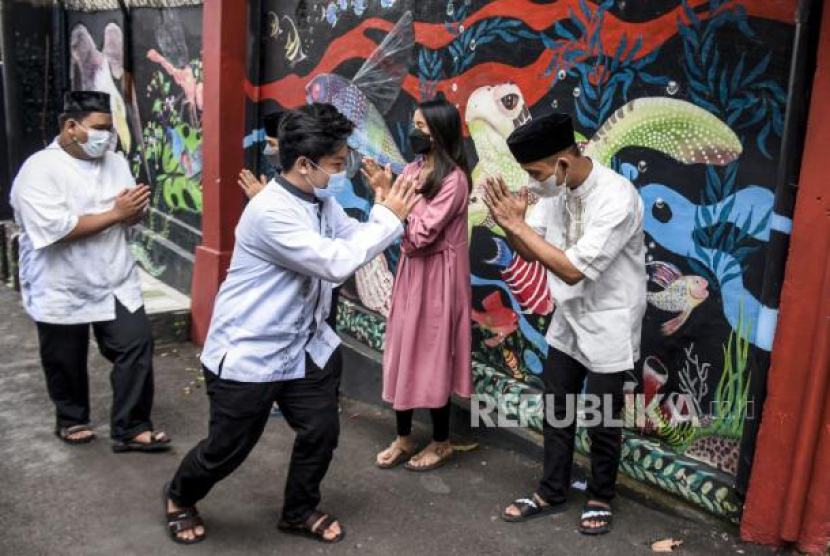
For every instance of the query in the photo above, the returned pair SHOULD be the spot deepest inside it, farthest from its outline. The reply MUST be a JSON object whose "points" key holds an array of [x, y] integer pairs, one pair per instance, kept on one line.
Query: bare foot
{"points": [[402, 444], [432, 454], [187, 534]]}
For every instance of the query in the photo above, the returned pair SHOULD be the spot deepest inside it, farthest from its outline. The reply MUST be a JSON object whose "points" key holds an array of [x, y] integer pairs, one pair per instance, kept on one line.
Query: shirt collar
{"points": [[294, 190], [588, 185]]}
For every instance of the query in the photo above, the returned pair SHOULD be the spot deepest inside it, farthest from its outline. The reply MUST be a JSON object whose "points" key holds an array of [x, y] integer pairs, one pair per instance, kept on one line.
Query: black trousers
{"points": [[127, 342], [239, 412], [440, 422], [564, 377]]}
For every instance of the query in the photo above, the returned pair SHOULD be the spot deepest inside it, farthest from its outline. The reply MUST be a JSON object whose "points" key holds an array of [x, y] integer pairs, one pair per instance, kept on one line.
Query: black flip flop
{"points": [[530, 509], [65, 432], [155, 445]]}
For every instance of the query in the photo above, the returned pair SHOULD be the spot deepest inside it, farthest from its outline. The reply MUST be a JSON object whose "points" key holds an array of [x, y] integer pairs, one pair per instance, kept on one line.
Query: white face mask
{"points": [[337, 183], [548, 188], [97, 142]]}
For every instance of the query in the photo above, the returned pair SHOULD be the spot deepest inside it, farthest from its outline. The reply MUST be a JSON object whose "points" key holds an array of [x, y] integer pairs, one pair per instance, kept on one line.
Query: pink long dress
{"points": [[428, 333]]}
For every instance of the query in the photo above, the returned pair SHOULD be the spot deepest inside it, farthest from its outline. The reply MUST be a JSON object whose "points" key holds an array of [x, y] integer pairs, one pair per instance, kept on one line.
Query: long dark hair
{"points": [[444, 123]]}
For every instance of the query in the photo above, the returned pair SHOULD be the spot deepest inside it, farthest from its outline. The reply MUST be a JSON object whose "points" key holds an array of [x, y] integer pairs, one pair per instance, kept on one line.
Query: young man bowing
{"points": [[74, 201], [269, 340], [587, 230]]}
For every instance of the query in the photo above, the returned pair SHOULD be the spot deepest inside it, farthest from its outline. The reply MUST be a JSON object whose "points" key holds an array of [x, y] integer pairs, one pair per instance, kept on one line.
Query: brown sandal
{"points": [[184, 520], [444, 455], [307, 528], [402, 456]]}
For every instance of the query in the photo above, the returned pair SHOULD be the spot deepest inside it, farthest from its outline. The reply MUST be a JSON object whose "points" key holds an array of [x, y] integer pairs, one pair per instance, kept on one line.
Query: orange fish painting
{"points": [[496, 318]]}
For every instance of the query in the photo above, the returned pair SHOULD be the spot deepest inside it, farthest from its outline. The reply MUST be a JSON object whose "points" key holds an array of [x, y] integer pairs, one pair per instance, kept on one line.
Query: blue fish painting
{"points": [[369, 95]]}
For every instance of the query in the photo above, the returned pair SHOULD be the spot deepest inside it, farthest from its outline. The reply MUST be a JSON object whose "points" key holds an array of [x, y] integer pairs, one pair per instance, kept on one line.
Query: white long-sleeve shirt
{"points": [[290, 250], [598, 321], [72, 282]]}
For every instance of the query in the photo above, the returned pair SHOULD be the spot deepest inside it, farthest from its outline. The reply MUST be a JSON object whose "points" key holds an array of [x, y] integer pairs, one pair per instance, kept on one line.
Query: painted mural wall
{"points": [[684, 97], [148, 58]]}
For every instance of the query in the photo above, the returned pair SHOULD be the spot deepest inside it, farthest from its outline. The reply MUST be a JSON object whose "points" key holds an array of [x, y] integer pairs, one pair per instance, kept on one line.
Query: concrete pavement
{"points": [[65, 501]]}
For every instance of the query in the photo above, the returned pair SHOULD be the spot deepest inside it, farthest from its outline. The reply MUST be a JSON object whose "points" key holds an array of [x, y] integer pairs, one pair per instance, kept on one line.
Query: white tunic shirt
{"points": [[599, 225], [272, 307], [76, 281]]}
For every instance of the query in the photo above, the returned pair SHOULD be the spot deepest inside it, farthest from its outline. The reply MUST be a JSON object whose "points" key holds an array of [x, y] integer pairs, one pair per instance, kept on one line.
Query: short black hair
{"points": [[313, 131], [66, 116]]}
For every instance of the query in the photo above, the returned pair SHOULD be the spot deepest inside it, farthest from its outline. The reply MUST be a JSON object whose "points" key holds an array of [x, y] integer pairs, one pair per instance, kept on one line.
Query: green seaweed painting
{"points": [[171, 156], [715, 438]]}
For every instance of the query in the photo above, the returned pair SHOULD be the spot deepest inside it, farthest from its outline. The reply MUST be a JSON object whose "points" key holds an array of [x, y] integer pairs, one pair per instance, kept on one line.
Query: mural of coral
{"points": [[680, 96]]}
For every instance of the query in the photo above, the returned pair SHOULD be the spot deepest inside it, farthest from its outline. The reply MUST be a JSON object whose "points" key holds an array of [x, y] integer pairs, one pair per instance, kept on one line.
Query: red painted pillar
{"points": [[789, 491], [223, 129]]}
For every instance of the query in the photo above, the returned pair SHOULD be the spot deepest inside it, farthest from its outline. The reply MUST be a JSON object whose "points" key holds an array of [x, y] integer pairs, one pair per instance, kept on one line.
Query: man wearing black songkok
{"points": [[74, 201], [587, 230]]}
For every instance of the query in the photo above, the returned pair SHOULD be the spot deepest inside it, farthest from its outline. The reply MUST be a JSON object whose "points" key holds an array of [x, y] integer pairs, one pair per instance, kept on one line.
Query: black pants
{"points": [[564, 377], [238, 414], [440, 422], [127, 342]]}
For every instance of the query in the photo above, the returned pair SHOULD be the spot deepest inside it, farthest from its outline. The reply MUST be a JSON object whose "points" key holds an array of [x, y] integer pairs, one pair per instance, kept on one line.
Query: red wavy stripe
{"points": [[290, 90]]}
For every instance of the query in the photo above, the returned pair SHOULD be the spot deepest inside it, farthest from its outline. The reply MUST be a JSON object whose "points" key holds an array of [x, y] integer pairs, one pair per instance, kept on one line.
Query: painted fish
{"points": [[527, 281], [679, 294], [370, 94], [512, 363], [655, 375], [187, 153], [496, 318]]}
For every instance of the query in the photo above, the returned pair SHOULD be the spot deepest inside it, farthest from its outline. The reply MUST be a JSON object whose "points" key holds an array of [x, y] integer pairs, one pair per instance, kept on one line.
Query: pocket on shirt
{"points": [[604, 337]]}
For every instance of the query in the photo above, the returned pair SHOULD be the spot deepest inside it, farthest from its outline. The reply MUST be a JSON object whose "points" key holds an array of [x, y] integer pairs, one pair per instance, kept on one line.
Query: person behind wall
{"points": [[74, 202], [428, 337], [587, 230], [269, 340], [270, 159]]}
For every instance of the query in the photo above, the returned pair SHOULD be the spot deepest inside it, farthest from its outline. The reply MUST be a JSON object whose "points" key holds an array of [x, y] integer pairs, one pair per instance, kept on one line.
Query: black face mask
{"points": [[419, 142]]}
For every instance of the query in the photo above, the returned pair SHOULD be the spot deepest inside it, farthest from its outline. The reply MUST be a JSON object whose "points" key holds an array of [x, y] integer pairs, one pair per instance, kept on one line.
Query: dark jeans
{"points": [[440, 422], [238, 414], [564, 377], [127, 342]]}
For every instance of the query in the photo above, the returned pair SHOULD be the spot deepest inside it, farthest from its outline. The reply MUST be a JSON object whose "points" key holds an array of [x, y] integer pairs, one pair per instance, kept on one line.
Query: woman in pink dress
{"points": [[428, 333]]}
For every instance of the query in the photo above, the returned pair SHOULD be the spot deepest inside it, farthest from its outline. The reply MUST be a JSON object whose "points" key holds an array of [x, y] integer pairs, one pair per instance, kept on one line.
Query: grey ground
{"points": [[61, 500]]}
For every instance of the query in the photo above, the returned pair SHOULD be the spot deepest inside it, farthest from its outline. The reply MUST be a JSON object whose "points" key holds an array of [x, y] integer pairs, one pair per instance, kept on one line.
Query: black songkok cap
{"points": [[86, 101], [272, 122], [541, 137]]}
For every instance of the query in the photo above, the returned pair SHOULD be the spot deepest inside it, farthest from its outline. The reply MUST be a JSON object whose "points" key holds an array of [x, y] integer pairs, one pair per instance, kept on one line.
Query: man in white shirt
{"points": [[74, 201], [268, 339], [587, 230]]}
